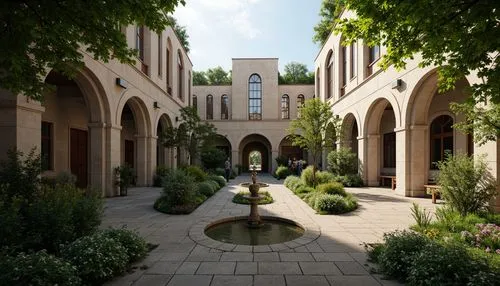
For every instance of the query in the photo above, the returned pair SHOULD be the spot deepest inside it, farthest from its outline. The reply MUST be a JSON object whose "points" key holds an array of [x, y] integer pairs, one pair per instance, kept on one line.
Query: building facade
{"points": [[109, 115], [396, 121], [254, 112]]}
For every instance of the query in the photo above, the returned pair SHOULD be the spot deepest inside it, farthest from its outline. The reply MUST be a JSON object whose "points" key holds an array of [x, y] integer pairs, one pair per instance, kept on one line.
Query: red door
{"points": [[78, 153]]}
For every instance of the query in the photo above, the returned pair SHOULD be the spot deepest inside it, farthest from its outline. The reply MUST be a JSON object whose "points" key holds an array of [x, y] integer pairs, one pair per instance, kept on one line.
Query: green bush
{"points": [[421, 216], [212, 158], [239, 198], [342, 162], [66, 178], [179, 188], [307, 176], [323, 177], [39, 268], [219, 172], [351, 180], [97, 257], [304, 190], [396, 259], [332, 189], [219, 179], [281, 160], [161, 172], [206, 189], [467, 186], [196, 172], [282, 172], [449, 220], [135, 246], [290, 180], [19, 177], [214, 184], [333, 204]]}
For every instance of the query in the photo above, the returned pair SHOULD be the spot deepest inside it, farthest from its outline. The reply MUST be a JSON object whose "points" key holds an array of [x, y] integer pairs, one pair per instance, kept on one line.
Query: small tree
{"points": [[212, 158], [343, 162], [218, 76], [312, 125], [466, 185]]}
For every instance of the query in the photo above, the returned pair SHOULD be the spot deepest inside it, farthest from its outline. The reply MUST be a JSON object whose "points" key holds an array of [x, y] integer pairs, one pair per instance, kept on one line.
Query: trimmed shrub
{"points": [[303, 190], [97, 257], [239, 198], [323, 177], [219, 179], [212, 158], [196, 172], [332, 189], [282, 172], [66, 178], [467, 186], [290, 180], [307, 176], [219, 172], [161, 172], [179, 188], [333, 204], [342, 162], [40, 268], [281, 161], [214, 184], [135, 246], [396, 259], [206, 188], [350, 180]]}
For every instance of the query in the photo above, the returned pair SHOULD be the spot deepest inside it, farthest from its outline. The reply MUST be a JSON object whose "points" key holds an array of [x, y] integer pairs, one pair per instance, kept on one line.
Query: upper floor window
{"points": [[441, 139], [344, 71], [285, 107], [189, 88], [373, 56], [354, 60], [329, 75], [169, 66], [195, 102], [300, 103], [160, 54], [224, 110], [210, 107], [139, 45], [255, 97], [180, 75]]}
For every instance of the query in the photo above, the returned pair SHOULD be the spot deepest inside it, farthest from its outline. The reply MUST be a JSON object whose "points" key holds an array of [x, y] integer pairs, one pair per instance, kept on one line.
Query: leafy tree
{"points": [[459, 37], [191, 134], [181, 32], [309, 130], [218, 76], [199, 78], [329, 11], [40, 35], [296, 73], [213, 157]]}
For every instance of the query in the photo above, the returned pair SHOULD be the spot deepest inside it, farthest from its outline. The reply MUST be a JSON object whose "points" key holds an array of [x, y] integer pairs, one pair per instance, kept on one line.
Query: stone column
{"points": [[151, 163], [97, 156], [141, 166], [372, 160], [274, 165], [492, 149], [402, 170], [113, 146], [362, 157], [418, 154]]}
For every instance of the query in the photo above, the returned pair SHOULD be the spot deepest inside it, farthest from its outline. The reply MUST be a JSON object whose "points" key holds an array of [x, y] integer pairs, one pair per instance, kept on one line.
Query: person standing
{"points": [[227, 169], [299, 168]]}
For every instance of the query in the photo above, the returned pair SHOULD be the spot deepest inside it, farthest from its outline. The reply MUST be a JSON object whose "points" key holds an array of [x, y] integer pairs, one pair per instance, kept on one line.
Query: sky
{"points": [[220, 30]]}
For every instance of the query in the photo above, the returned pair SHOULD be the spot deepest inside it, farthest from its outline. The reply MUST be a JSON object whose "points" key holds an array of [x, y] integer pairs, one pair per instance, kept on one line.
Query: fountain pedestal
{"points": [[254, 217]]}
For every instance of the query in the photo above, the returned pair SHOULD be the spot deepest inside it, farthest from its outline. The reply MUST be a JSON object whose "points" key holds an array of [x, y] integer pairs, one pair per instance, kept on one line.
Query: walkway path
{"points": [[336, 257]]}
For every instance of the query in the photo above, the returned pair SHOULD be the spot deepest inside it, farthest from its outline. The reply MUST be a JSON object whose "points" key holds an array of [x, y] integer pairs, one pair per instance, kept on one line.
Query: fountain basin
{"points": [[261, 185], [272, 230]]}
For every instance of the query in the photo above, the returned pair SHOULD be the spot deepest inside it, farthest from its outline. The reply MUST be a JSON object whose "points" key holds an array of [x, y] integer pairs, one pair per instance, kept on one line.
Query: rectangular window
{"points": [[344, 66], [354, 60], [374, 54], [139, 41], [46, 154], [160, 53], [390, 150], [169, 69]]}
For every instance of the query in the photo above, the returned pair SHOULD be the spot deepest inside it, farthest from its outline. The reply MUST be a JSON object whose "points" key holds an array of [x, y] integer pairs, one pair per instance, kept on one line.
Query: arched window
{"points": [[285, 107], [169, 66], [210, 107], [195, 102], [441, 139], [329, 75], [255, 97], [180, 73], [300, 103], [318, 84], [224, 103]]}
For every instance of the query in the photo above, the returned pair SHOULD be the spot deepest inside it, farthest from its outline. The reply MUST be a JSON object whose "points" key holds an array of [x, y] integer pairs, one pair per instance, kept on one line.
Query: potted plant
{"points": [[124, 178]]}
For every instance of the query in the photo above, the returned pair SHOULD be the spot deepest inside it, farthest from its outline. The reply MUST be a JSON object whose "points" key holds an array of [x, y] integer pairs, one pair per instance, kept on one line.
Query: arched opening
{"points": [[259, 143], [72, 128], [350, 133], [441, 139], [255, 161], [224, 107], [210, 107], [222, 143], [163, 154], [285, 106], [329, 75], [380, 142], [255, 97], [300, 103], [288, 150], [134, 135]]}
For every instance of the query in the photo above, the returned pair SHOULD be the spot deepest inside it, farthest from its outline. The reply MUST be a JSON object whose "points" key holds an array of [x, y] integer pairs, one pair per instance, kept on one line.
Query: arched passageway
{"points": [[164, 155], [350, 133], [222, 143], [288, 150], [259, 143]]}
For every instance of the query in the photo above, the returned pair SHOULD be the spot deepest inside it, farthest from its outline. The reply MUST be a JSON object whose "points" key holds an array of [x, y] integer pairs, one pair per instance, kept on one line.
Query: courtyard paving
{"points": [[331, 254]]}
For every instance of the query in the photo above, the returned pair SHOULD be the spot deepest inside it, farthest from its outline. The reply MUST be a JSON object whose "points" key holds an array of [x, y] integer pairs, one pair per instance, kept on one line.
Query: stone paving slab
{"points": [[330, 252]]}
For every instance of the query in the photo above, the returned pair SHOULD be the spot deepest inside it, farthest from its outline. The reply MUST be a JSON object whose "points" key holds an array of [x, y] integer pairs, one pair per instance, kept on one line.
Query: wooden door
{"points": [[129, 153], [78, 156]]}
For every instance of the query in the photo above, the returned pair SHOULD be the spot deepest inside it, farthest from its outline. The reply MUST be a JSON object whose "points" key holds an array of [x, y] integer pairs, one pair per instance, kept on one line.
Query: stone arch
{"points": [[256, 142], [287, 149], [140, 110], [164, 155], [222, 142], [350, 122]]}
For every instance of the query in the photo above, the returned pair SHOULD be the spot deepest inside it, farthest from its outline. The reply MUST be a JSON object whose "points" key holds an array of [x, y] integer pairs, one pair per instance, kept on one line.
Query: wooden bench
{"points": [[393, 180], [434, 190]]}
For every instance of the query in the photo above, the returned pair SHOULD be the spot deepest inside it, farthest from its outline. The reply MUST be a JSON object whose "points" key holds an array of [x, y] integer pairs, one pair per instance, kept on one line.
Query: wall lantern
{"points": [[155, 105], [121, 82], [396, 84]]}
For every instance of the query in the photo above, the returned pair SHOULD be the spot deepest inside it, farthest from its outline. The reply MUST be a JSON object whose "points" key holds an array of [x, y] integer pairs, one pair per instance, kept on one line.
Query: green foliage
{"points": [[334, 188], [342, 162], [196, 172], [206, 188], [240, 199], [281, 160], [351, 180], [421, 216], [291, 180], [135, 246], [127, 176], [333, 204], [457, 39], [179, 188], [296, 73], [218, 171], [307, 176], [329, 11], [220, 180], [467, 186], [324, 177], [315, 118], [65, 178], [218, 76], [161, 171], [213, 158], [97, 257], [282, 172], [39, 268], [397, 256], [303, 190], [80, 28], [180, 31], [199, 78], [19, 176], [449, 220], [374, 251]]}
